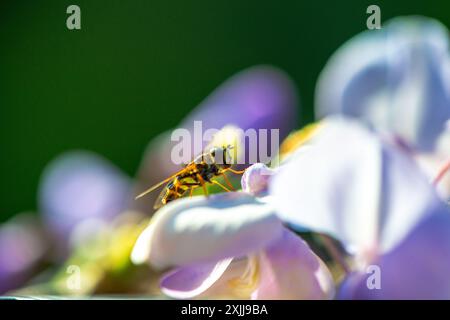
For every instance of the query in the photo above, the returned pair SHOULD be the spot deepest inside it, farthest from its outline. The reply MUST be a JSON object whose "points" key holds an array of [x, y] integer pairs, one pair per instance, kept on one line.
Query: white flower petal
{"points": [[352, 186], [396, 79], [205, 229]]}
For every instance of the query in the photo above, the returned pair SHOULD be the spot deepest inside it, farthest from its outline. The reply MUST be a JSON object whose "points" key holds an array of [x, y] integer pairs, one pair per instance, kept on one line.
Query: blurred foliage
{"points": [[100, 264]]}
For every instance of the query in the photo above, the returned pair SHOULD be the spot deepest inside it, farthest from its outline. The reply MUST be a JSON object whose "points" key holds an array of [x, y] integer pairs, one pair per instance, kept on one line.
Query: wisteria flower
{"points": [[22, 247], [396, 79], [373, 198], [231, 245], [80, 186]]}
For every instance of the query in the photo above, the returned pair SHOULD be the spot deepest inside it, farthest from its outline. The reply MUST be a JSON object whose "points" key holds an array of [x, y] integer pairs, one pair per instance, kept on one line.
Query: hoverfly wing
{"points": [[156, 186]]}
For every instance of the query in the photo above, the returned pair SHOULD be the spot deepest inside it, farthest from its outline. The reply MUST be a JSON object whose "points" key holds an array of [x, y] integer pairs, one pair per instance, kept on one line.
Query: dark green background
{"points": [[137, 67]]}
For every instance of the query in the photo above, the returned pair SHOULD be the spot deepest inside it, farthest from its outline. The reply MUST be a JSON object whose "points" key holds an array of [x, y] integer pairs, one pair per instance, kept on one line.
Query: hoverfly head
{"points": [[222, 156]]}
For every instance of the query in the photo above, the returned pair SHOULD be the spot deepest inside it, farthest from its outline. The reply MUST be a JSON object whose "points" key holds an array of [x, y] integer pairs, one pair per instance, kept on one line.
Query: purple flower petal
{"points": [[22, 245], [81, 185], [189, 282], [290, 270], [260, 97], [396, 79], [416, 269]]}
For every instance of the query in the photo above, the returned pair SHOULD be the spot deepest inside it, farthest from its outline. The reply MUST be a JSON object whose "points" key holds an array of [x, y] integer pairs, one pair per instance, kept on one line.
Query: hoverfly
{"points": [[202, 170]]}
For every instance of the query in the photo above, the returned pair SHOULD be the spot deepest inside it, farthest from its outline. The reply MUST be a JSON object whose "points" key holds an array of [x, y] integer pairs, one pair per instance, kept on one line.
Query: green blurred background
{"points": [[137, 67]]}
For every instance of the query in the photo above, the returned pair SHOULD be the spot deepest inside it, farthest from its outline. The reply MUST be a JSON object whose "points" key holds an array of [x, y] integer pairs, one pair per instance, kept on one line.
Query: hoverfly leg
{"points": [[203, 184], [228, 181], [205, 190], [236, 171], [221, 185]]}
